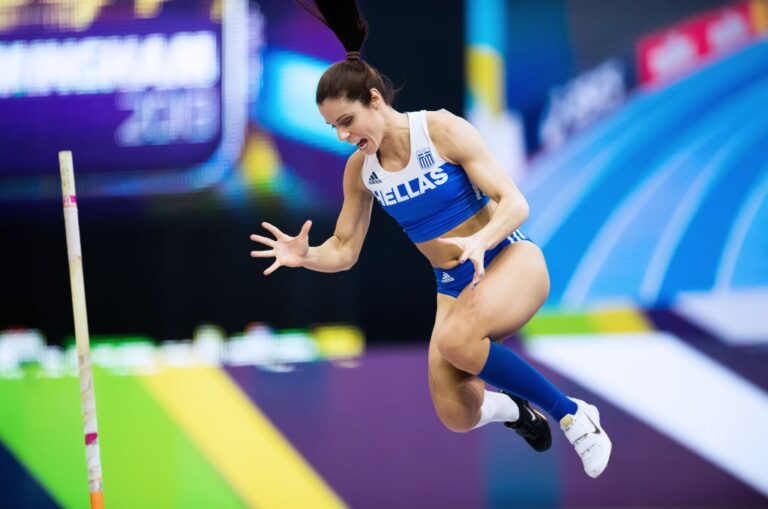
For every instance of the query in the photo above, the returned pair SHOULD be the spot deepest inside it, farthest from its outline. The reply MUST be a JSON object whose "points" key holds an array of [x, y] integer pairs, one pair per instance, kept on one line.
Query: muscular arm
{"points": [[340, 252], [460, 143]]}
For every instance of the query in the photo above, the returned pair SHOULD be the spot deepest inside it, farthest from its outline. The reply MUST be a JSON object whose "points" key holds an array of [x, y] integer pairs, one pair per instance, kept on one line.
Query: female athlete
{"points": [[432, 171]]}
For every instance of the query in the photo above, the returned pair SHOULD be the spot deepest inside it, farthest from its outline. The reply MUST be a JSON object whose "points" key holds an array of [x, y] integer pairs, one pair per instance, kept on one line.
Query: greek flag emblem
{"points": [[425, 158]]}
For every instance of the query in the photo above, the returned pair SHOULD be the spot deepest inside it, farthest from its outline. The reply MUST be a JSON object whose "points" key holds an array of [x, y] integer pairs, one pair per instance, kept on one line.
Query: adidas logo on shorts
{"points": [[373, 179], [446, 278]]}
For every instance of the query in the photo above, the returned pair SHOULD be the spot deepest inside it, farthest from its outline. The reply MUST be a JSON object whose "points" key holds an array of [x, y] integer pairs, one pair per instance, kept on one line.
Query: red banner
{"points": [[675, 50]]}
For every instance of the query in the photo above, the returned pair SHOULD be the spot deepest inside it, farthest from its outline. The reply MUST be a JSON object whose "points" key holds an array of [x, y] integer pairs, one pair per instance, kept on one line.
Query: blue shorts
{"points": [[453, 281]]}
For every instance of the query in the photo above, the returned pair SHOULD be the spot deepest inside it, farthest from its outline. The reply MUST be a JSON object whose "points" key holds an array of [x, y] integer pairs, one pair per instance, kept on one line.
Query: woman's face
{"points": [[355, 123]]}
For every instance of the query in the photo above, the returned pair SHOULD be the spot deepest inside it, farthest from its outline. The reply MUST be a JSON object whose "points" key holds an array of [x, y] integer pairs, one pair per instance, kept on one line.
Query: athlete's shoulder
{"points": [[439, 119], [354, 170], [447, 131], [444, 124], [356, 160]]}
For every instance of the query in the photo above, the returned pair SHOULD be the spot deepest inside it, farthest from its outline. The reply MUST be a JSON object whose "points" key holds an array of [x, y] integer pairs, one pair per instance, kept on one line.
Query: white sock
{"points": [[497, 407]]}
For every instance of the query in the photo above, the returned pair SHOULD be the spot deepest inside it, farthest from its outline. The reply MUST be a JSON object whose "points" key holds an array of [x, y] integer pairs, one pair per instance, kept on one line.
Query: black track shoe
{"points": [[532, 425]]}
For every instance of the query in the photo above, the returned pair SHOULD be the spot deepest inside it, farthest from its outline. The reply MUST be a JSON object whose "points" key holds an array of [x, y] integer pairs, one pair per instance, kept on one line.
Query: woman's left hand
{"points": [[473, 249]]}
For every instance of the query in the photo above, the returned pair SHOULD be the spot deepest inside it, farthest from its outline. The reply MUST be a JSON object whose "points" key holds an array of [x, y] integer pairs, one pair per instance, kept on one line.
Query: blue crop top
{"points": [[428, 197]]}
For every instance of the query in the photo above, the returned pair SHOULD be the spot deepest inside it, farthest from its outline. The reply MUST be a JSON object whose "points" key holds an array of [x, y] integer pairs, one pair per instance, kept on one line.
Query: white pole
{"points": [[87, 395]]}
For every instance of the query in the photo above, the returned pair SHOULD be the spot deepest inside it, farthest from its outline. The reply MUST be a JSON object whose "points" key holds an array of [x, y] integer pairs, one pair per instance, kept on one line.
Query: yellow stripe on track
{"points": [[249, 452], [620, 320]]}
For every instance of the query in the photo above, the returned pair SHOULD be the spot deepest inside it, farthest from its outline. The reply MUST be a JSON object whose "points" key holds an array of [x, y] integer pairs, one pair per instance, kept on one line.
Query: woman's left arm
{"points": [[460, 143]]}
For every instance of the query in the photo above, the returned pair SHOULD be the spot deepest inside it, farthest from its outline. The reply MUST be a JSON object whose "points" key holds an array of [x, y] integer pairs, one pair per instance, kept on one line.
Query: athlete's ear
{"points": [[375, 98]]}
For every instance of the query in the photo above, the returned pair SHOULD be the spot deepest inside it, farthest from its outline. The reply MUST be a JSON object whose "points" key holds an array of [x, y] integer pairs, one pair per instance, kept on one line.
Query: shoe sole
{"points": [[609, 447]]}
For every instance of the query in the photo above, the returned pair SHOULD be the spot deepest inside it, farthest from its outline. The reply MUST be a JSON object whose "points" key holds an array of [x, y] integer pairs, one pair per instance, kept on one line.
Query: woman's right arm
{"points": [[340, 252]]}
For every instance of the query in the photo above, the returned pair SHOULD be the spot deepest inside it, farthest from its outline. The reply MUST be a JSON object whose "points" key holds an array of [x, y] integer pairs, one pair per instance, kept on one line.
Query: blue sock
{"points": [[510, 372]]}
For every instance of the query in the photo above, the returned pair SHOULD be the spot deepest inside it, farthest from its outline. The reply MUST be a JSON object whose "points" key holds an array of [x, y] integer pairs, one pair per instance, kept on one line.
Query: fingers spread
{"points": [[273, 230], [467, 255], [479, 273], [264, 240], [305, 228], [272, 268], [263, 254]]}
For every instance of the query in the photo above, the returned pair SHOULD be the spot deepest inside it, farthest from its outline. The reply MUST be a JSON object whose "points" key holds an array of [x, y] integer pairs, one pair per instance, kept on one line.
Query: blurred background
{"points": [[638, 131]]}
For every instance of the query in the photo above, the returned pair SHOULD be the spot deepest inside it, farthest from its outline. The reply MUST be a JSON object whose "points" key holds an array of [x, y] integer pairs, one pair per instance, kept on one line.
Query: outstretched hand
{"points": [[288, 251], [473, 249]]}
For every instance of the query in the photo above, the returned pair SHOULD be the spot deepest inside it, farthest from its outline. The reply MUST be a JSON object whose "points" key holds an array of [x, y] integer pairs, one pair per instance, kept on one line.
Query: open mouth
{"points": [[362, 144]]}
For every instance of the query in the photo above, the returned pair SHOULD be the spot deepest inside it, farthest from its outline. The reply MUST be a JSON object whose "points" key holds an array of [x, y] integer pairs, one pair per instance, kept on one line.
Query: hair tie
{"points": [[353, 56]]}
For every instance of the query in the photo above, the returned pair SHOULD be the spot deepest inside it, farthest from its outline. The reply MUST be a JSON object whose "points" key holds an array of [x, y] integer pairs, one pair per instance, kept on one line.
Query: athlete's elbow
{"points": [[515, 205], [521, 210], [349, 261], [524, 210]]}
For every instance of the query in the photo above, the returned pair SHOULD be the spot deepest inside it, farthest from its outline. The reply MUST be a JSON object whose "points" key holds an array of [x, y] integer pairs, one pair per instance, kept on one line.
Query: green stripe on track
{"points": [[601, 321], [147, 461], [559, 323]]}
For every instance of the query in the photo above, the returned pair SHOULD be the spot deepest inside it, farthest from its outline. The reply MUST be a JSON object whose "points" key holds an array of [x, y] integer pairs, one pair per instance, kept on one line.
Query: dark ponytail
{"points": [[351, 78], [343, 18]]}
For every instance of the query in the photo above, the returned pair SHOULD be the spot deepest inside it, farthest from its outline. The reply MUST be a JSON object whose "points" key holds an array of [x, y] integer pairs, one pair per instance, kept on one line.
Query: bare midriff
{"points": [[443, 255]]}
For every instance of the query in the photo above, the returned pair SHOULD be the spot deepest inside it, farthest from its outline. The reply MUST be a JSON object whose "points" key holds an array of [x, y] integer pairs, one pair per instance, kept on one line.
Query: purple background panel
{"points": [[372, 434], [371, 431]]}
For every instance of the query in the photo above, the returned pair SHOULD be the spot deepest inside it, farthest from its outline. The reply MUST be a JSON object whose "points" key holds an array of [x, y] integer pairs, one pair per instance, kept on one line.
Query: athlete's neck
{"points": [[396, 143]]}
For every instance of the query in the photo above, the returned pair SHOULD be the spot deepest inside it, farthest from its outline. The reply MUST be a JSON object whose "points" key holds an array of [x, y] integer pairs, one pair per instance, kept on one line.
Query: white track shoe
{"points": [[584, 432]]}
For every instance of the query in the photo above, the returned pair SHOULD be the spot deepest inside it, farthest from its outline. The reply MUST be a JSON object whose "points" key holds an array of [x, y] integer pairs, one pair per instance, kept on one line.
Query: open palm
{"points": [[288, 251]]}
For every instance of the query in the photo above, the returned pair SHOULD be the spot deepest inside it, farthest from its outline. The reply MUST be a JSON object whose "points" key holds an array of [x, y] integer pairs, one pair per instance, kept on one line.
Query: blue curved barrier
{"points": [[640, 208]]}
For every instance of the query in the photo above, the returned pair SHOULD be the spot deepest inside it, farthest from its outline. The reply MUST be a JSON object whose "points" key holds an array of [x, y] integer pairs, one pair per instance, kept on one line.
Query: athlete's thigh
{"points": [[446, 381], [515, 286]]}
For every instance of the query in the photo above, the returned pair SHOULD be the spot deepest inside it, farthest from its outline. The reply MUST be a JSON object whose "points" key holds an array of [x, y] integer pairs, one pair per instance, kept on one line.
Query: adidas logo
{"points": [[373, 179], [447, 278]]}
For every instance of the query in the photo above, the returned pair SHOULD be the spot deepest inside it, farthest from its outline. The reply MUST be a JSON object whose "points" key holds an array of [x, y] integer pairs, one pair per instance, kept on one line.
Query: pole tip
{"points": [[97, 500]]}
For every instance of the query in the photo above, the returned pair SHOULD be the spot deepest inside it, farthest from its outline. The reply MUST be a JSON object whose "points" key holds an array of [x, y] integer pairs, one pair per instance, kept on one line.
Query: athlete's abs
{"points": [[446, 256]]}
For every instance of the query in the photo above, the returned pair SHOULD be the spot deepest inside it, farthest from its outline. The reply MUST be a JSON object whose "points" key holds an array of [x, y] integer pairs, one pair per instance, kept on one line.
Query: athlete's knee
{"points": [[453, 346], [460, 347]]}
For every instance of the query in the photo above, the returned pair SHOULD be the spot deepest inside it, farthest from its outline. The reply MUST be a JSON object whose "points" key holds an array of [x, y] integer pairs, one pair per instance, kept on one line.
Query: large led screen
{"points": [[172, 97]]}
